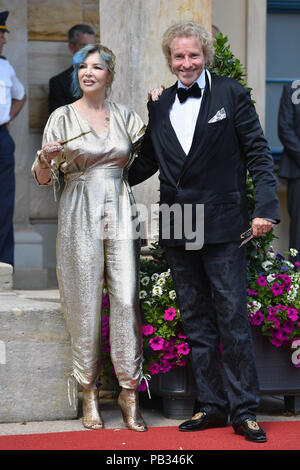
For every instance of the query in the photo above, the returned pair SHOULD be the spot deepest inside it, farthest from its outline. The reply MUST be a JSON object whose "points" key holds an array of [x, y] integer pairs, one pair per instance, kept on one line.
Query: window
{"points": [[283, 61]]}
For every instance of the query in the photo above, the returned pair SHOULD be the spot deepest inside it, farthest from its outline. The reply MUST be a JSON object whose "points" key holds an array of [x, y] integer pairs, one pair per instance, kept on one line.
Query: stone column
{"points": [[256, 53], [133, 30], [28, 243]]}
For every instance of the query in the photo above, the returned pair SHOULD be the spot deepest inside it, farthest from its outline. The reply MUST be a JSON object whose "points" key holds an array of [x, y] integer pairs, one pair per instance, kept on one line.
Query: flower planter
{"points": [[276, 372], [177, 389]]}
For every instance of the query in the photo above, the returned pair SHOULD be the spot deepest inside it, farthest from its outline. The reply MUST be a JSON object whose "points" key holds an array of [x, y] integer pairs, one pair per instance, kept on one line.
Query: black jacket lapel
{"points": [[199, 139], [166, 101], [199, 134]]}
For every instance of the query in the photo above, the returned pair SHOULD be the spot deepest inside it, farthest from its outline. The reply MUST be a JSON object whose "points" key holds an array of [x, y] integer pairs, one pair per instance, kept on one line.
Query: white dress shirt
{"points": [[10, 88], [184, 116]]}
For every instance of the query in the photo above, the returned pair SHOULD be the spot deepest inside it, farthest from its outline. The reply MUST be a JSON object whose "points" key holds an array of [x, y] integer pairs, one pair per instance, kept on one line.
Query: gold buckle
{"points": [[253, 425], [198, 415]]}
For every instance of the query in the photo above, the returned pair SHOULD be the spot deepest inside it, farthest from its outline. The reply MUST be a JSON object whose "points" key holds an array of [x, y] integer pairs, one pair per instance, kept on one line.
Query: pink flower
{"points": [[105, 331], [277, 342], [182, 361], [288, 326], [183, 349], [105, 301], [154, 368], [170, 314], [297, 264], [273, 310], [286, 279], [181, 336], [105, 320], [276, 289], [281, 307], [257, 318], [252, 292], [276, 322], [143, 386], [147, 330], [169, 346], [293, 313], [262, 281], [165, 366], [157, 343], [169, 355]]}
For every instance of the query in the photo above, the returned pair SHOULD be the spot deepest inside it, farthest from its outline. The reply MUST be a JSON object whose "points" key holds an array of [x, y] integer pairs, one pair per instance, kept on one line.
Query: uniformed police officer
{"points": [[12, 99]]}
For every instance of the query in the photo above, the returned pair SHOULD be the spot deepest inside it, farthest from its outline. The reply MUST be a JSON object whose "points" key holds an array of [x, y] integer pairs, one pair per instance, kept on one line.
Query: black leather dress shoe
{"points": [[251, 430], [202, 420]]}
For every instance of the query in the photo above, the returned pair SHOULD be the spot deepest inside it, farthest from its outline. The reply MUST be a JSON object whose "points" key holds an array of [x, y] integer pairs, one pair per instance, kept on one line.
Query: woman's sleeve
{"points": [[54, 130], [135, 128]]}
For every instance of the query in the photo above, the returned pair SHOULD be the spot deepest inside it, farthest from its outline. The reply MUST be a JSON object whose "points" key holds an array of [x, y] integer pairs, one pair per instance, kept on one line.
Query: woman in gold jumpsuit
{"points": [[91, 142]]}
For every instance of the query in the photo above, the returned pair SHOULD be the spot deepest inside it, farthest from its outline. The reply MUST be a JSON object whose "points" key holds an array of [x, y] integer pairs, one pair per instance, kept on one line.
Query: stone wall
{"points": [[48, 55], [48, 25], [35, 359]]}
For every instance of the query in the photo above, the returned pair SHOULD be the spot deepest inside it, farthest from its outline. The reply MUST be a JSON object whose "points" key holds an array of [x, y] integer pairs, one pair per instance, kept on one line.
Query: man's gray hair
{"points": [[186, 29], [77, 30]]}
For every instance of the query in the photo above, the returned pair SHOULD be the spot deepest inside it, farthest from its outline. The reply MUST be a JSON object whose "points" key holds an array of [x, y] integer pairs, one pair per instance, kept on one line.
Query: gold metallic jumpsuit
{"points": [[98, 239]]}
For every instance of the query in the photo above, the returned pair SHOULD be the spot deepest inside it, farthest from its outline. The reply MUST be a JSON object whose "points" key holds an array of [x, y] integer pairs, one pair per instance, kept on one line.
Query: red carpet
{"points": [[283, 435]]}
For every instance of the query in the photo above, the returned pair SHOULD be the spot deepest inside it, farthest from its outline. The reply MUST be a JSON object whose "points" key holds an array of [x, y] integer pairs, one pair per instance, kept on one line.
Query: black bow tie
{"points": [[184, 93]]}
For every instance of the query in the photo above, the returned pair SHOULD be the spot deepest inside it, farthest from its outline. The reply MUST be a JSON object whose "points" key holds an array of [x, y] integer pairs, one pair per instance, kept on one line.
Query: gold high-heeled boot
{"points": [[91, 416], [129, 403]]}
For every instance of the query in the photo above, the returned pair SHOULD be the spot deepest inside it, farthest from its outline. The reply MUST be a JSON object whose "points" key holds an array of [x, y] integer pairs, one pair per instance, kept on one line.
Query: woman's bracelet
{"points": [[42, 160]]}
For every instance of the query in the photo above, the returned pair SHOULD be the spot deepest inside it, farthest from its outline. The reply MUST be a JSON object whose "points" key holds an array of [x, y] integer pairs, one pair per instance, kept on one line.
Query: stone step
{"points": [[35, 358], [6, 277]]}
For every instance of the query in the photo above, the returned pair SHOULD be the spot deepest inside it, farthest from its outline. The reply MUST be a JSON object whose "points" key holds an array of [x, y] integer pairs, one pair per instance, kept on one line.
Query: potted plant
{"points": [[274, 313]]}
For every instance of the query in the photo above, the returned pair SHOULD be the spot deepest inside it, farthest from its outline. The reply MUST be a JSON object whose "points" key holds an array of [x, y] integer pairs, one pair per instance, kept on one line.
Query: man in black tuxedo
{"points": [[60, 93], [289, 135], [203, 134]]}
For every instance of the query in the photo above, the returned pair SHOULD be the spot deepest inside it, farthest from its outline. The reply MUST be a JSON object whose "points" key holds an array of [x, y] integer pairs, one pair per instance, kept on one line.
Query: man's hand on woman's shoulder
{"points": [[155, 93]]}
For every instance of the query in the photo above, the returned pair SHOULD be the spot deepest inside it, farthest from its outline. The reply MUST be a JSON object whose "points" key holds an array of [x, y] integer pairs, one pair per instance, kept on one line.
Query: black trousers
{"points": [[211, 289], [7, 196], [293, 199]]}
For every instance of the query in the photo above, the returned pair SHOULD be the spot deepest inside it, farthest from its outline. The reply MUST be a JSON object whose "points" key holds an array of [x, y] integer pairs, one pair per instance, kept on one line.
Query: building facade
{"points": [[37, 48]]}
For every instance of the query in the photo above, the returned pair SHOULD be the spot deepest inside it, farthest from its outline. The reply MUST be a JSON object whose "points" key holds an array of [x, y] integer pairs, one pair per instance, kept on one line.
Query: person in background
{"points": [[60, 92], [289, 169], [12, 100]]}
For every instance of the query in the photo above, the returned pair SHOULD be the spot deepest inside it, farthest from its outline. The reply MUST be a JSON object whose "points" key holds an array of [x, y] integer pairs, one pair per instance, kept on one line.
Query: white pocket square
{"points": [[221, 114]]}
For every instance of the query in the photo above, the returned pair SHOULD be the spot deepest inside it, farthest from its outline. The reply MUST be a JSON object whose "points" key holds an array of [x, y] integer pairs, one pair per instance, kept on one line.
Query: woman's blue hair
{"points": [[106, 55]]}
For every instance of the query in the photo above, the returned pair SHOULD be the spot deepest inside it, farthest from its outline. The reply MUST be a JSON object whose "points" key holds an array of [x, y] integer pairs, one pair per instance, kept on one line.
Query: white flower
{"points": [[160, 282], [145, 280], [288, 263], [291, 295], [143, 294], [293, 252], [256, 306], [157, 291], [270, 278], [172, 295], [165, 274], [155, 276], [266, 265]]}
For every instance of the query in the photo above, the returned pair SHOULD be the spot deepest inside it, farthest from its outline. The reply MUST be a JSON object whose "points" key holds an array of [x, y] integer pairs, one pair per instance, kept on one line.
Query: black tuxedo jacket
{"points": [[60, 90], [289, 132], [214, 171]]}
